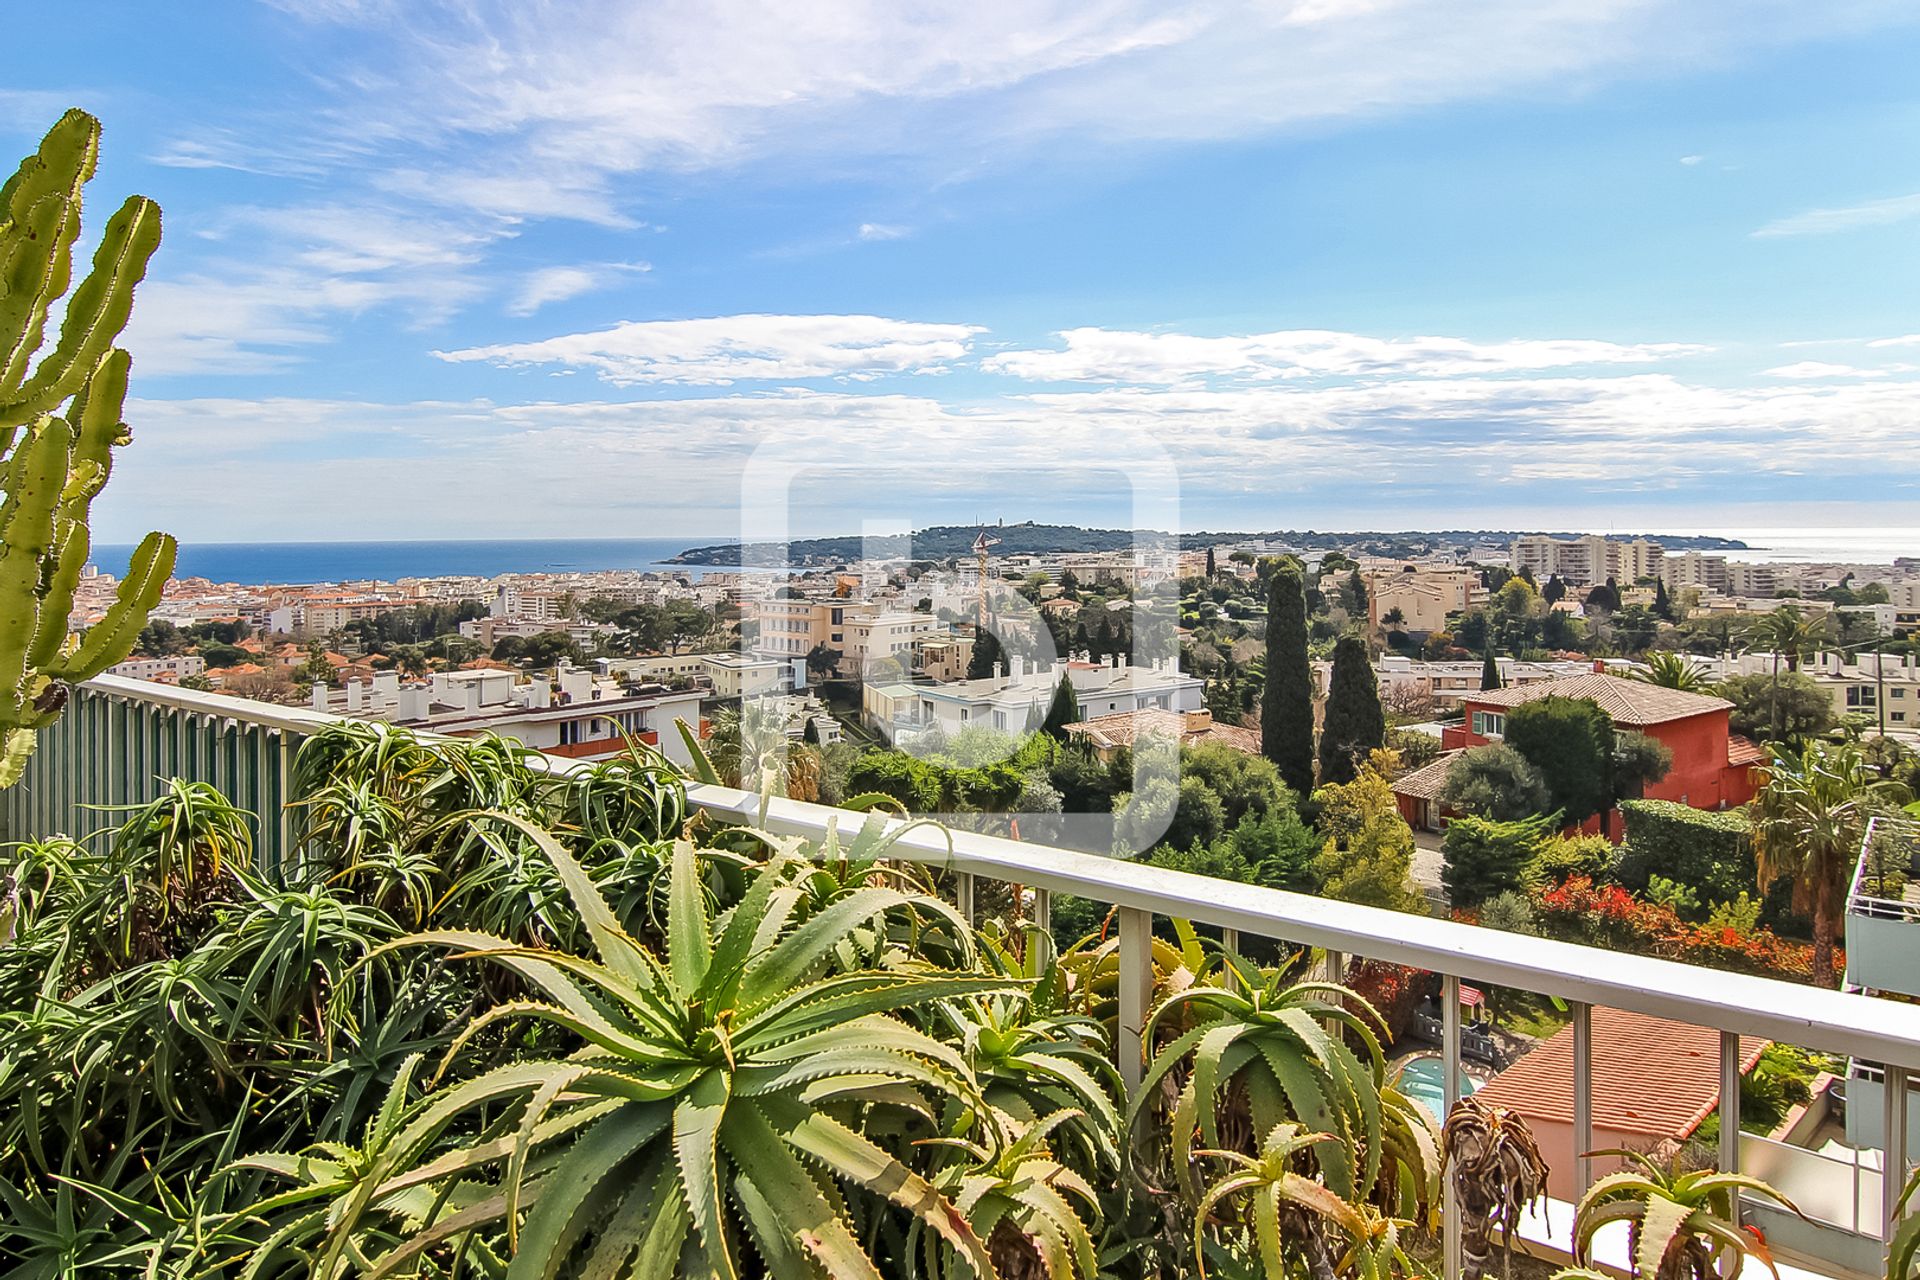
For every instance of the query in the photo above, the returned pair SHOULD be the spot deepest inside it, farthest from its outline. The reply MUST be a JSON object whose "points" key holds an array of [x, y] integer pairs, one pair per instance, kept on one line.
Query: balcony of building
{"points": [[119, 738]]}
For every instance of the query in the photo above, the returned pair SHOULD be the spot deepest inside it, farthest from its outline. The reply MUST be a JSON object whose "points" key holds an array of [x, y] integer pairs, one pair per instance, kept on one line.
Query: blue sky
{"points": [[448, 269]]}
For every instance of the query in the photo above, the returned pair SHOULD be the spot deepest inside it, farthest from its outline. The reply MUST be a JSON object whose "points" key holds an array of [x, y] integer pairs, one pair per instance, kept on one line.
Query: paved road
{"points": [[1426, 861]]}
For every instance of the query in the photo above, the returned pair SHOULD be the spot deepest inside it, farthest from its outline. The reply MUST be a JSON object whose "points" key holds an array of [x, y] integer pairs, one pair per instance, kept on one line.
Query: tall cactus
{"points": [[59, 424]]}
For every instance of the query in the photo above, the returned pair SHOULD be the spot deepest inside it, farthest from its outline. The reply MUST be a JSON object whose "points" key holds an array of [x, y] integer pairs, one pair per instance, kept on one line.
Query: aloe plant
{"points": [[1265, 1047], [60, 421], [713, 1081], [1903, 1250], [1681, 1225]]}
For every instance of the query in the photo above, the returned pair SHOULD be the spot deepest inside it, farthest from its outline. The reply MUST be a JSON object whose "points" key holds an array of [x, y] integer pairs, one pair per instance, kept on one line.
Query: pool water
{"points": [[1424, 1080]]}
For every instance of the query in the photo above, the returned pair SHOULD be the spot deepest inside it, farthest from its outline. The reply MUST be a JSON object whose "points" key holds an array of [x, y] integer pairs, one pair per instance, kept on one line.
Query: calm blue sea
{"points": [[301, 562]]}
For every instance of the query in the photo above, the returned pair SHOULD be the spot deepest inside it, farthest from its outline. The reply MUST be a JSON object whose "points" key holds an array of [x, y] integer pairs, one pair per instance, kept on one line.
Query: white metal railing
{"points": [[1878, 906], [1865, 1028]]}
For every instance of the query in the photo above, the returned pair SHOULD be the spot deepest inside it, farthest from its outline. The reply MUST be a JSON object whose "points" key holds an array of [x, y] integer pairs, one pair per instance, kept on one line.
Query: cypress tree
{"points": [[1064, 711], [986, 652], [1354, 723], [1662, 602], [1286, 704], [1489, 672], [1210, 566]]}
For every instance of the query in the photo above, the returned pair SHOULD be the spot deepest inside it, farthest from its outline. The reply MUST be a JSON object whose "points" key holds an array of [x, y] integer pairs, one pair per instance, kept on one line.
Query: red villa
{"points": [[1712, 766]]}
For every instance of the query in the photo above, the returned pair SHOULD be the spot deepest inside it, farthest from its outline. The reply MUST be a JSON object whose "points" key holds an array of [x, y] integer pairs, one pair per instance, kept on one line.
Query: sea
{"points": [[255, 563]]}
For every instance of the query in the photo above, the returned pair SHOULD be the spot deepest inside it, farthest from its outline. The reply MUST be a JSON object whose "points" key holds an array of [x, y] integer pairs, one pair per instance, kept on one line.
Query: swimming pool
{"points": [[1423, 1079]]}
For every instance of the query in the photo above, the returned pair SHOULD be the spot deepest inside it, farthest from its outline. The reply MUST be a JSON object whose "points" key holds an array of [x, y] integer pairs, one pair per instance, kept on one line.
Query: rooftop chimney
{"points": [[319, 695]]}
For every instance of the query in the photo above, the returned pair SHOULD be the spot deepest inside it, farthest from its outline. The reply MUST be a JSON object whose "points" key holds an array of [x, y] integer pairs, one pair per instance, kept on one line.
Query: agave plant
{"points": [[712, 1085], [1681, 1225], [1497, 1172]]}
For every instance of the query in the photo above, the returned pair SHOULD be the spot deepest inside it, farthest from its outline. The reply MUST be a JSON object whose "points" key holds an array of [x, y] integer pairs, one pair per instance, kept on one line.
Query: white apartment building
{"points": [[491, 630], [159, 668], [884, 635], [574, 715], [1404, 681], [1586, 561], [1010, 702]]}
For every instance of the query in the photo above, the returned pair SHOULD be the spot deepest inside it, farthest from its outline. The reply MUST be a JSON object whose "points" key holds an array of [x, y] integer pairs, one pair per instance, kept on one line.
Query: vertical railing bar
{"points": [[963, 894], [1893, 1163], [1452, 1233], [1582, 1095], [1729, 1102], [284, 795], [1230, 943], [1136, 991], [1042, 909]]}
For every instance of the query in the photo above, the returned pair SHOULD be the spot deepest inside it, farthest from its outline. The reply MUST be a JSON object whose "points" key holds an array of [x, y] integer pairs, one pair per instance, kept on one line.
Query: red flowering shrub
{"points": [[1394, 991], [1609, 916]]}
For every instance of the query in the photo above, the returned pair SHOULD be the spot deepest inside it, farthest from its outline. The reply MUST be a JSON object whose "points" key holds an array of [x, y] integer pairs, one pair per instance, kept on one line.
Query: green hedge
{"points": [[1709, 852]]}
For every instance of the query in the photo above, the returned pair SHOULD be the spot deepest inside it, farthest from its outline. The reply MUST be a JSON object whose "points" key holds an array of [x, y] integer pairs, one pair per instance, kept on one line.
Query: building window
{"points": [[1489, 724], [1860, 695]]}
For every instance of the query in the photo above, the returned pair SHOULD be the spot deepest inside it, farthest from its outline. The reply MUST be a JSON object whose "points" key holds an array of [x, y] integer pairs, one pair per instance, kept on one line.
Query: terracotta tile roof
{"points": [[1744, 751], [1650, 1076], [1425, 782], [1121, 728], [1628, 702]]}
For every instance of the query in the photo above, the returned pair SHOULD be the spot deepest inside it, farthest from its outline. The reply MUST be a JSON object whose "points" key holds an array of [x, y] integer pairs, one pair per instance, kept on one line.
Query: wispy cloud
{"points": [[1823, 369], [882, 231], [1120, 356], [208, 467], [558, 284], [1691, 161], [521, 113], [1853, 217], [722, 350], [1909, 340]]}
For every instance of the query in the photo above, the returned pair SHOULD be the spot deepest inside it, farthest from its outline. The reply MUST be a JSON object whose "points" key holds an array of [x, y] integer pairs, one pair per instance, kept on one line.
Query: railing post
{"points": [[1336, 966], [1136, 990], [1042, 909], [963, 894], [1893, 1148], [1582, 1095], [1729, 1102], [1453, 1247], [1230, 943]]}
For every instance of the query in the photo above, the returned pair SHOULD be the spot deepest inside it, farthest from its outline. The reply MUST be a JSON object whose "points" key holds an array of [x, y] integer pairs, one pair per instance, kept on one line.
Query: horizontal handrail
{"points": [[1839, 1022]]}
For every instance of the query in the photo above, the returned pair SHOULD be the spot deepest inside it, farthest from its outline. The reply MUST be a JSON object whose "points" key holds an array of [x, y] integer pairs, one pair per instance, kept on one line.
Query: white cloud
{"points": [[558, 284], [727, 349], [1822, 222], [881, 231], [1108, 355], [1690, 161], [1472, 445], [529, 111], [1823, 369], [1909, 340]]}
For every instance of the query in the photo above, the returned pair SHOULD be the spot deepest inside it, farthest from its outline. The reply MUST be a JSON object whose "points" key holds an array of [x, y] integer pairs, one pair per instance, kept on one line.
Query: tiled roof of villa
{"points": [[1628, 702], [1426, 782], [1650, 1076]]}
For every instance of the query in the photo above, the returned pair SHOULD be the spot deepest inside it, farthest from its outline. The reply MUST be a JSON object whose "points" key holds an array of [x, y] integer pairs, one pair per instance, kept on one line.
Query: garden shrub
{"points": [[1710, 853]]}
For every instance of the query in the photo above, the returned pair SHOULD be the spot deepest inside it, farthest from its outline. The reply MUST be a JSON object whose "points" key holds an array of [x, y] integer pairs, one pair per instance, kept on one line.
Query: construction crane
{"points": [[980, 545]]}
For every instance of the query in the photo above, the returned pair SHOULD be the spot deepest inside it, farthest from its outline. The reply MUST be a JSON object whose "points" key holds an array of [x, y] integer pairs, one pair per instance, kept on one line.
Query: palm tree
{"points": [[1671, 670], [1787, 633], [1809, 821]]}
